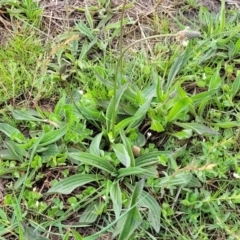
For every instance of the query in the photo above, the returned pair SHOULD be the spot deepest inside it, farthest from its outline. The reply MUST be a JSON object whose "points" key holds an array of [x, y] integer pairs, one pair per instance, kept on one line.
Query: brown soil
{"points": [[212, 5], [60, 15]]}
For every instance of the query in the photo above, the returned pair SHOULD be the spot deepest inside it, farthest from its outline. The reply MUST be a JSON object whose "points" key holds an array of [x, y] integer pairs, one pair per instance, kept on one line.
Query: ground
{"points": [[104, 136]]}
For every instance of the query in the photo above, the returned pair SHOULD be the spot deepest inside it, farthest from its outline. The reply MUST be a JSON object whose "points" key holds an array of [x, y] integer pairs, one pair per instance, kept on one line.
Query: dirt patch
{"points": [[214, 5], [59, 15], [211, 5], [5, 26], [2, 189]]}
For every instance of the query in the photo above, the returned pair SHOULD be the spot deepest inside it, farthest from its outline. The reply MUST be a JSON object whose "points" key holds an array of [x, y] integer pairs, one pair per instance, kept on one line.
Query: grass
{"points": [[20, 59], [140, 142]]}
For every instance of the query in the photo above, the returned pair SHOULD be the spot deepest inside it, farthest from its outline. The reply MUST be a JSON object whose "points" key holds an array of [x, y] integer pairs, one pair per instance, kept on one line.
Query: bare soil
{"points": [[61, 15]]}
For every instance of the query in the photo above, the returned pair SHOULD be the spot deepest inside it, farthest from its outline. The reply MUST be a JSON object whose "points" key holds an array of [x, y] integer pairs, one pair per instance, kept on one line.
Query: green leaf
{"points": [[3, 215], [237, 47], [5, 154], [12, 132], [91, 113], [29, 115], [175, 68], [154, 210], [149, 92], [116, 25], [207, 55], [180, 179], [53, 136], [140, 141], [89, 17], [85, 30], [86, 47], [95, 145], [116, 197], [76, 235], [110, 225], [122, 154], [198, 98], [67, 185], [184, 134], [113, 107], [222, 16], [126, 123], [133, 219], [30, 233], [179, 107], [19, 182], [198, 128], [16, 151], [227, 124], [93, 160], [135, 120], [90, 214], [105, 81], [203, 105], [236, 86], [215, 80], [156, 126], [133, 171], [128, 146], [151, 158]]}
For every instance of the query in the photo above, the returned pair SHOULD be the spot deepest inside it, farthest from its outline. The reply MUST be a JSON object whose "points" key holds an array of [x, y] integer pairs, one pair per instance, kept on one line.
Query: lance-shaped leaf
{"points": [[12, 132], [127, 225], [122, 154], [53, 136], [198, 128], [116, 197], [151, 158], [93, 160], [179, 107], [113, 106], [68, 184], [154, 210]]}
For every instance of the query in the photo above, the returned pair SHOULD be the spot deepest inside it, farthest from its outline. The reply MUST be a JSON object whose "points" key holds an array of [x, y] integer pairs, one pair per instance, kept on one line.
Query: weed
{"points": [[25, 10], [19, 59], [139, 145]]}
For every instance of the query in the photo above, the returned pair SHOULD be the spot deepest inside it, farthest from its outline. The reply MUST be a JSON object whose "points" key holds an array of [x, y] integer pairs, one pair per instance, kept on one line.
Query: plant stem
{"points": [[119, 66]]}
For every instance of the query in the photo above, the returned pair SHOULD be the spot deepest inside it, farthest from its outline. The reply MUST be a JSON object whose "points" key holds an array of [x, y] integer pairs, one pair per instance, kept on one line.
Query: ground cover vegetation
{"points": [[115, 127]]}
